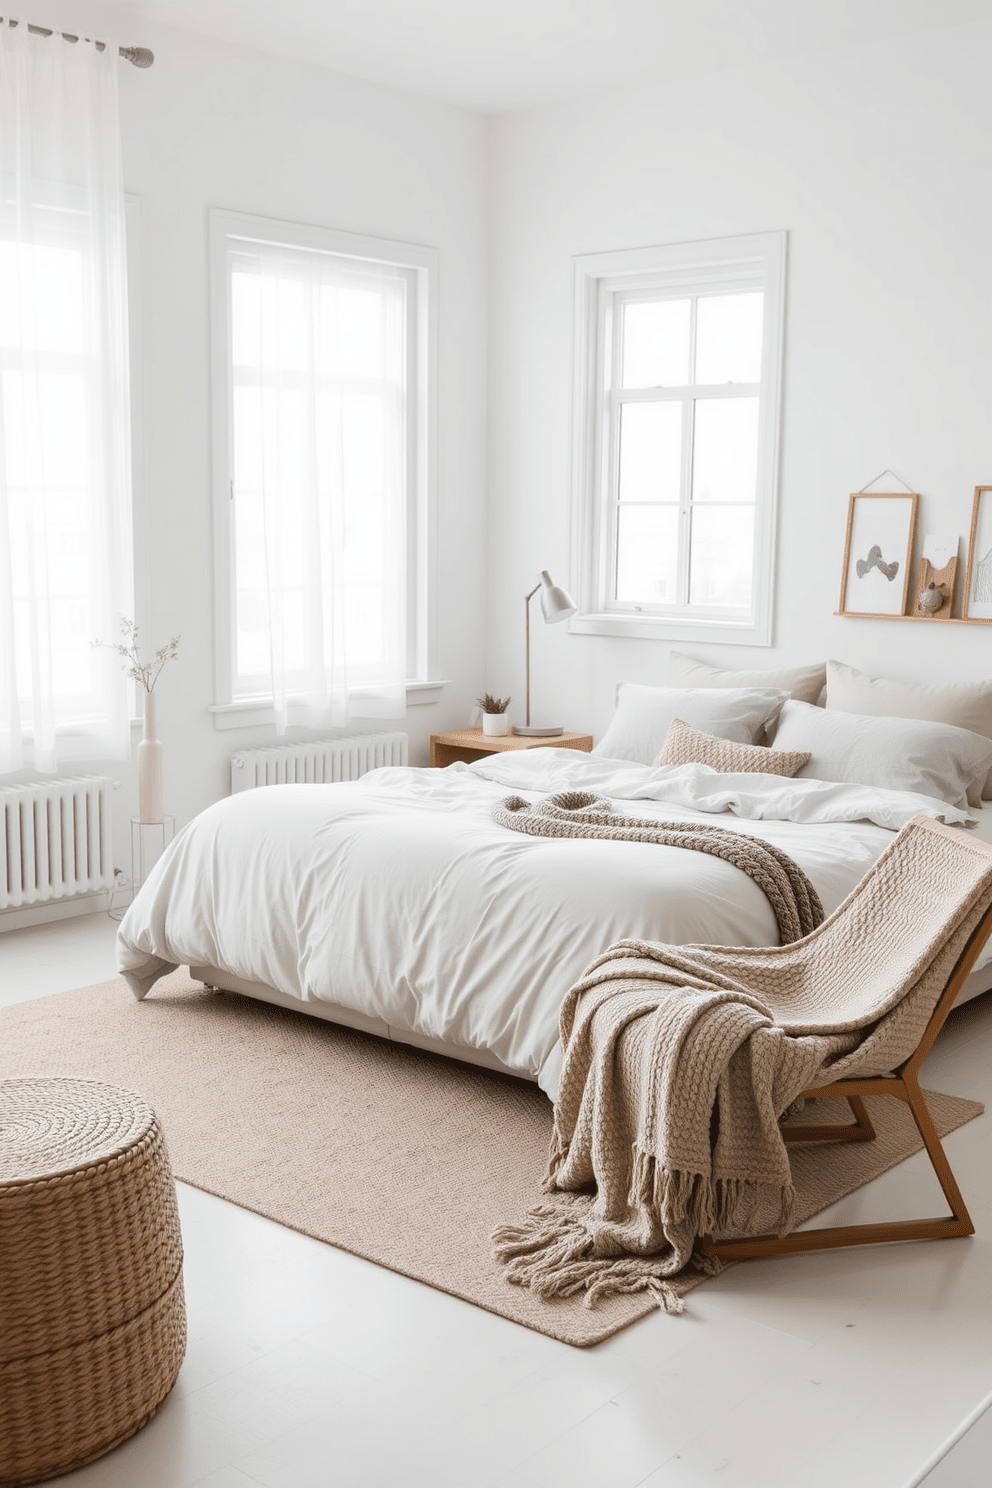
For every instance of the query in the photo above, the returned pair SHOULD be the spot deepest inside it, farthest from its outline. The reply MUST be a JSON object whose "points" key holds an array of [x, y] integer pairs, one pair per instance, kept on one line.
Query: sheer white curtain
{"points": [[319, 416], [65, 497]]}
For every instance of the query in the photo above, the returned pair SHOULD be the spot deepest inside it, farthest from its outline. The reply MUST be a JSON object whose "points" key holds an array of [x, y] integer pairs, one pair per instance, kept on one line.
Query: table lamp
{"points": [[556, 604]]}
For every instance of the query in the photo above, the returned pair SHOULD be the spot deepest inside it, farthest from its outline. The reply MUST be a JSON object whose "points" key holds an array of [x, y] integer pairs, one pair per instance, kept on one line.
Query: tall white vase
{"points": [[150, 766]]}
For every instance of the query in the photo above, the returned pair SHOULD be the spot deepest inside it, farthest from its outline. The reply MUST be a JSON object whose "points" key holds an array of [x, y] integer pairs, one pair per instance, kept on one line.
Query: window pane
{"points": [[319, 431], [52, 536], [721, 555], [655, 343], [650, 451], [647, 554], [725, 449], [251, 601], [363, 619], [728, 337], [246, 319], [352, 332], [42, 298], [45, 428]]}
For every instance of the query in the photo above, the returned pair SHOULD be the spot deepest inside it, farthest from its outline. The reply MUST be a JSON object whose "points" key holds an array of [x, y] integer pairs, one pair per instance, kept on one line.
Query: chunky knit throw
{"points": [[793, 898], [681, 1060]]}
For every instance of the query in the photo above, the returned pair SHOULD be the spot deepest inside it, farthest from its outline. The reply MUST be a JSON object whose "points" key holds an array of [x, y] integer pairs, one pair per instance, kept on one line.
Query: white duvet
{"points": [[397, 896]]}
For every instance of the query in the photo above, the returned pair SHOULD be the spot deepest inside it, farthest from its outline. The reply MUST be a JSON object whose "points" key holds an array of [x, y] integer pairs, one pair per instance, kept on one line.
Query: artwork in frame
{"points": [[881, 527], [977, 603]]}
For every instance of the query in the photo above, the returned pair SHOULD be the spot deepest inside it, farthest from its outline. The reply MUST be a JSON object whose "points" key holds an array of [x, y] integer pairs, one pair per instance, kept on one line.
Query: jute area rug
{"points": [[405, 1159]]}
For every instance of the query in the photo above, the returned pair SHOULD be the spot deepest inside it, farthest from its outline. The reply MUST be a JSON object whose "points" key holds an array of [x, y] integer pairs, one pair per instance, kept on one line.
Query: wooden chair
{"points": [[901, 1084]]}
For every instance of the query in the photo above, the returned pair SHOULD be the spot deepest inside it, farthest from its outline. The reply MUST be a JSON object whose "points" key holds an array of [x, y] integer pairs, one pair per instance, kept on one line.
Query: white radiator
{"points": [[55, 840], [317, 763]]}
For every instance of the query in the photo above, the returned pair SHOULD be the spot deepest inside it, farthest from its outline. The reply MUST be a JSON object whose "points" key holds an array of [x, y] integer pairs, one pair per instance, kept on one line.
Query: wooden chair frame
{"points": [[903, 1084]]}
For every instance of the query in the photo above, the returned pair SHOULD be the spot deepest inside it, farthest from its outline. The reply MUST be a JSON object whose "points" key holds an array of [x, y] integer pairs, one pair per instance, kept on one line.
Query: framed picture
{"points": [[977, 602], [881, 527]]}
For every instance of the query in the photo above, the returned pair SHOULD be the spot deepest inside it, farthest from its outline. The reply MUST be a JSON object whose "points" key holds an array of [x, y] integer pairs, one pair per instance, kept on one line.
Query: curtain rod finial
{"points": [[139, 56]]}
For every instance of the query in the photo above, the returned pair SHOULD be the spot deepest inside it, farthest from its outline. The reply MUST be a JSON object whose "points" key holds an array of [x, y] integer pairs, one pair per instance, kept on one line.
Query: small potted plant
{"points": [[494, 716]]}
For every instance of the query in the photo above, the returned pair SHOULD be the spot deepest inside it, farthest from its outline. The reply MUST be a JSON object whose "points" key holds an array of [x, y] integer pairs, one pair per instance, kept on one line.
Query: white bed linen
{"points": [[398, 896]]}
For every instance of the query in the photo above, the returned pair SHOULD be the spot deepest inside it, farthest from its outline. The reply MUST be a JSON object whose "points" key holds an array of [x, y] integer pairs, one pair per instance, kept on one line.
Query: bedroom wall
{"points": [[877, 162], [211, 125]]}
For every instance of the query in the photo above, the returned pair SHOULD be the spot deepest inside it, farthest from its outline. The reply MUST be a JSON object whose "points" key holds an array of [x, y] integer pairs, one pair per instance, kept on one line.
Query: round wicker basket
{"points": [[92, 1314]]}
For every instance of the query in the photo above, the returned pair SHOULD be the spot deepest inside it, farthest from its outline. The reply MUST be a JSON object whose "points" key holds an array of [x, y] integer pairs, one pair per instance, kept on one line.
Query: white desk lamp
{"points": [[556, 604]]}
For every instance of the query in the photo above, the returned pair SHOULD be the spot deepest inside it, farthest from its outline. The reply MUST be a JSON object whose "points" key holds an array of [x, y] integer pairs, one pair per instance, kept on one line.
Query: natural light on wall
{"points": [[65, 495], [322, 468]]}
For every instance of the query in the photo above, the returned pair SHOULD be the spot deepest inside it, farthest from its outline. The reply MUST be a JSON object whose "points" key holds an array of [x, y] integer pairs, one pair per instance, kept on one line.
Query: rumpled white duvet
{"points": [[397, 895]]}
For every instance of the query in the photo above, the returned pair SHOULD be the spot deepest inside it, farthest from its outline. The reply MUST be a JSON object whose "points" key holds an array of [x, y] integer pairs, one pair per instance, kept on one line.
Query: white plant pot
{"points": [[497, 725]]}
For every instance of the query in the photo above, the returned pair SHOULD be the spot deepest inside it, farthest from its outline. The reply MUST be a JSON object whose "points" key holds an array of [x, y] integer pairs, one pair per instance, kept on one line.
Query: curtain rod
{"points": [[137, 56]]}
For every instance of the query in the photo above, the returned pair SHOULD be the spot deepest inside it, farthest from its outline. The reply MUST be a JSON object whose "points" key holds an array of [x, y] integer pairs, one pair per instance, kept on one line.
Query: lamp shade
{"points": [[556, 604]]}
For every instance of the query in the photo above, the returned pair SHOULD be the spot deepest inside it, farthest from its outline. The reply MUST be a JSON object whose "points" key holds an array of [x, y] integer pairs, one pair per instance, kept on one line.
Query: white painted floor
{"points": [[308, 1368]]}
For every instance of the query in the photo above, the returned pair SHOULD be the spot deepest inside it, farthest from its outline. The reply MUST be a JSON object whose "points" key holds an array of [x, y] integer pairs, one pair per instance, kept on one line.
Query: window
{"points": [[66, 562], [676, 427], [321, 384]]}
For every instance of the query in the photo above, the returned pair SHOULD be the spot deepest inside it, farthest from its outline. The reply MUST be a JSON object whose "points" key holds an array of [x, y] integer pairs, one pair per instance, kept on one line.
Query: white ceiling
{"points": [[498, 55]]}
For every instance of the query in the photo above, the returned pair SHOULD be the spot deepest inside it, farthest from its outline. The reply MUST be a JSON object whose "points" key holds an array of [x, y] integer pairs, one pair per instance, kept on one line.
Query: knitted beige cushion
{"points": [[687, 746]]}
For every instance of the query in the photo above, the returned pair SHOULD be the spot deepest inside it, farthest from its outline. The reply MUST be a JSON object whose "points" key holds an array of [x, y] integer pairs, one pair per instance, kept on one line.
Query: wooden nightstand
{"points": [[473, 744]]}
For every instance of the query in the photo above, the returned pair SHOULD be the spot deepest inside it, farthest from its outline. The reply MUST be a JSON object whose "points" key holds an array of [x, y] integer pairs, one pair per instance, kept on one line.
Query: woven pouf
{"points": [[92, 1315]]}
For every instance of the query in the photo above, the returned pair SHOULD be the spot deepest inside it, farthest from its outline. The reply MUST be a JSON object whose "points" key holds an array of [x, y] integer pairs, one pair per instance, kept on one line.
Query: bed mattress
{"points": [[396, 903]]}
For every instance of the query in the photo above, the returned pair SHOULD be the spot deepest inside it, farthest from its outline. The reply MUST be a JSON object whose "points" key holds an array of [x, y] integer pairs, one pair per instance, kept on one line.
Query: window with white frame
{"points": [[66, 551], [676, 435], [322, 367]]}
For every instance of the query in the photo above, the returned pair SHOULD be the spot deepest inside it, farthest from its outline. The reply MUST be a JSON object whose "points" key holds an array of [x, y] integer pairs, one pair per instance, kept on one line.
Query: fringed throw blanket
{"points": [[681, 1060], [793, 898]]}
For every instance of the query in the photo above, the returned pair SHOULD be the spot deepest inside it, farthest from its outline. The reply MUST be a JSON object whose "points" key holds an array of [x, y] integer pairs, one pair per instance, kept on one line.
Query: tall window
{"points": [[65, 513], [321, 448], [676, 423]]}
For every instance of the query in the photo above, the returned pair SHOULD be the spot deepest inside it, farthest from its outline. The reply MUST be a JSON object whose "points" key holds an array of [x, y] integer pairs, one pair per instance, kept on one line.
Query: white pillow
{"points": [[909, 754], [805, 683], [645, 714], [966, 705]]}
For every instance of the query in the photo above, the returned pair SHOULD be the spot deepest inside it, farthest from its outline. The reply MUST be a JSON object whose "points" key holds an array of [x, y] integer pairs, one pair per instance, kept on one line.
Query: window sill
{"points": [[255, 714], [659, 628]]}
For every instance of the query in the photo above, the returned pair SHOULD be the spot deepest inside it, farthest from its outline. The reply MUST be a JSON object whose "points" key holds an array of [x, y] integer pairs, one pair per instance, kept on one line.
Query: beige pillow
{"points": [[805, 683], [687, 746], [966, 705], [906, 754]]}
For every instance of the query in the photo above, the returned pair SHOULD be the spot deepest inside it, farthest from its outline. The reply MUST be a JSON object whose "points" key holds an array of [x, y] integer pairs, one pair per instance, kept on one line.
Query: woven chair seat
{"points": [[92, 1313]]}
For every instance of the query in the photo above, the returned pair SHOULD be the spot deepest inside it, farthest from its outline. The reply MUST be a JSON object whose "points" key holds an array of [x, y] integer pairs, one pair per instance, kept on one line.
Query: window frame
{"points": [[75, 739], [602, 284], [422, 266]]}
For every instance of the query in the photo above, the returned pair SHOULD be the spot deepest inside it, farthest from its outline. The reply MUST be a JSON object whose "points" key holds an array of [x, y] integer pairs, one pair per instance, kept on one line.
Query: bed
{"points": [[396, 904]]}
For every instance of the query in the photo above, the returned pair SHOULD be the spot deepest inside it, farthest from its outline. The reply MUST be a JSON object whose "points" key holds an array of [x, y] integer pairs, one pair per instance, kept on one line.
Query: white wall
{"points": [[877, 162], [209, 125]]}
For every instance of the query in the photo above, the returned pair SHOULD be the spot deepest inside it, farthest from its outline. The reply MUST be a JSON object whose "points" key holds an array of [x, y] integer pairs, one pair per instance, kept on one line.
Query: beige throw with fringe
{"points": [[681, 1060]]}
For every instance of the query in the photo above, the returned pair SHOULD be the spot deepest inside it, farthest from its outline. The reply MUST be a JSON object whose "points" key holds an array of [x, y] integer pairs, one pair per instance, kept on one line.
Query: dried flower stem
{"points": [[145, 672]]}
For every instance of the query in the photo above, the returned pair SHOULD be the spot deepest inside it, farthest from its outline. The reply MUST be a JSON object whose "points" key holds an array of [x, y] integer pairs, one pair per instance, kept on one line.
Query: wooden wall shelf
{"points": [[922, 619]]}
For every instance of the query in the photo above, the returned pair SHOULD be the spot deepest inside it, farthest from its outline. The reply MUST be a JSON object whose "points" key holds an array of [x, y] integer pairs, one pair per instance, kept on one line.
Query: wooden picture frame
{"points": [[878, 552], [976, 602]]}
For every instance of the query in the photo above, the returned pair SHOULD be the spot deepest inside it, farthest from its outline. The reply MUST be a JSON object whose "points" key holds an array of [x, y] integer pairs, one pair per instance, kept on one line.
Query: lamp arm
{"points": [[527, 601], [556, 604]]}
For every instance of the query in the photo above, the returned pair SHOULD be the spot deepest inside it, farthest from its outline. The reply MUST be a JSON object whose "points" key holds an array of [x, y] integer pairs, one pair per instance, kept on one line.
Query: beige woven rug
{"points": [[406, 1159]]}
